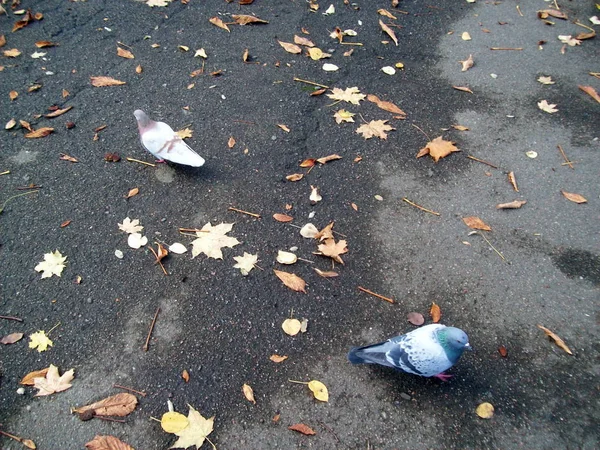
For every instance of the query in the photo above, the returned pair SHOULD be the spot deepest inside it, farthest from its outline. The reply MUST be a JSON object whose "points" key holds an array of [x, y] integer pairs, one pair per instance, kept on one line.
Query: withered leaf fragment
{"points": [[290, 48], [386, 106], [101, 81], [463, 88], [576, 198], [516, 204], [557, 340], [467, 63], [589, 90], [69, 158], [476, 223], [435, 312], [327, 273], [112, 157], [119, 405], [2, 40], [124, 53], [438, 148], [282, 218], [219, 23], [295, 177], [512, 179], [27, 380], [545, 13], [243, 19], [301, 428], [107, 443], [23, 22], [248, 393], [293, 281], [303, 41], [333, 249], [12, 53], [132, 192], [58, 112], [326, 159], [278, 358], [389, 31], [44, 44], [503, 352], [11, 338], [39, 133]]}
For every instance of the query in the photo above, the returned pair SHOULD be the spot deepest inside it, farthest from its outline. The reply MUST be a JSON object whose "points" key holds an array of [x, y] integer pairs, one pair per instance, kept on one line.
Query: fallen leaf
{"points": [[569, 40], [26, 20], [319, 390], [139, 69], [177, 248], [589, 90], [466, 36], [107, 443], [124, 53], [576, 198], [386, 106], [25, 125], [350, 95], [516, 204], [386, 13], [467, 63], [283, 127], [53, 264], [309, 231], [219, 23], [354, 206], [547, 107], [376, 128], [333, 249], [463, 88], [460, 127], [153, 3], [301, 428], [248, 393], [39, 133], [185, 133], [326, 274], [584, 36], [310, 162], [27, 380], [546, 80], [326, 159], [416, 318], [130, 226], [132, 192], [231, 142], [119, 405], [34, 87], [330, 67], [544, 13], [65, 157], [295, 177], [10, 124], [438, 148], [303, 41], [485, 410], [291, 326], [211, 239], [13, 95], [11, 338], [52, 382], [278, 358], [101, 81], [112, 157], [326, 232], [389, 32], [315, 197], [513, 181], [476, 223], [290, 48], [196, 432], [12, 53], [173, 422], [44, 44], [282, 218], [2, 40], [286, 257], [435, 312], [136, 240], [293, 281], [503, 352], [343, 116], [243, 19], [58, 112], [245, 263]]}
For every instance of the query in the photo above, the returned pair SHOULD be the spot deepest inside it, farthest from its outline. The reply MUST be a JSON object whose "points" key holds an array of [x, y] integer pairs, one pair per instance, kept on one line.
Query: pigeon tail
{"points": [[354, 357]]}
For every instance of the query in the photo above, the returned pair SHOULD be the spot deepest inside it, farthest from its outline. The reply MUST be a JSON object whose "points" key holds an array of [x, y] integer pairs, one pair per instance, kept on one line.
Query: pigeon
{"points": [[427, 351], [160, 140]]}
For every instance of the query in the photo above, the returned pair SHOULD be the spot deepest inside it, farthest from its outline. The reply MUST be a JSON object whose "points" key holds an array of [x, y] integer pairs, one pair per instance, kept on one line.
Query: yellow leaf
{"points": [[343, 116], [211, 239], [173, 422], [376, 128], [248, 393], [185, 133], [53, 264], [466, 36], [438, 148], [245, 263], [291, 326], [319, 390], [40, 341], [485, 410]]}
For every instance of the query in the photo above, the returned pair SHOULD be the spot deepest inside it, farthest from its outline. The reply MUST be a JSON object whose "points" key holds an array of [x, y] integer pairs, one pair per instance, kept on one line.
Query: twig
{"points": [[567, 162], [420, 207], [306, 260], [108, 419], [493, 248], [26, 442], [53, 328], [158, 260], [143, 394], [519, 11], [310, 82], [28, 188], [150, 330], [506, 48], [360, 288], [330, 430], [231, 208], [6, 172], [584, 26], [353, 43], [482, 161], [595, 74], [13, 197], [11, 318], [298, 382], [140, 162], [192, 230], [428, 138]]}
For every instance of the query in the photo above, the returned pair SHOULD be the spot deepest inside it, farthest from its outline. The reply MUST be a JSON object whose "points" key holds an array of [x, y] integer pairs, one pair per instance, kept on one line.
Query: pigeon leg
{"points": [[442, 376], [161, 161]]}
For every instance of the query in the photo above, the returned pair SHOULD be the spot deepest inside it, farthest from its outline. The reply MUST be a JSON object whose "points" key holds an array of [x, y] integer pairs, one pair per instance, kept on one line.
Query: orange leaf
{"points": [[293, 281], [463, 88], [27, 380], [308, 162], [132, 192], [124, 53], [558, 341], [219, 23], [503, 352], [282, 218], [66, 223], [438, 148], [42, 44], [295, 177], [39, 133], [185, 375], [13, 95], [278, 358], [105, 81], [301, 428], [435, 312], [574, 197], [476, 223], [386, 106], [589, 90]]}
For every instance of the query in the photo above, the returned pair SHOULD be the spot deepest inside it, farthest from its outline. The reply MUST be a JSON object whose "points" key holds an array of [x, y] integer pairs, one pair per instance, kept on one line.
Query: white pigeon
{"points": [[160, 140], [427, 351]]}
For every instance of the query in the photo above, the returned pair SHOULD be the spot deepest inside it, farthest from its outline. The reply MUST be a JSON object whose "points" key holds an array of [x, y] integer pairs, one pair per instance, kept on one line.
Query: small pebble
{"points": [[21, 391], [405, 396]]}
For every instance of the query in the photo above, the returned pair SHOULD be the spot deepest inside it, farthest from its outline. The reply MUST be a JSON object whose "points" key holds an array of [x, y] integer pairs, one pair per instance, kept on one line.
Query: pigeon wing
{"points": [[420, 353], [164, 143]]}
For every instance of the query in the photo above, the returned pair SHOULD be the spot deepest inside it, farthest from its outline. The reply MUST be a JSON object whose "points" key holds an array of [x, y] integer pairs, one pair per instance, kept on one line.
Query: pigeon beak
{"points": [[468, 346]]}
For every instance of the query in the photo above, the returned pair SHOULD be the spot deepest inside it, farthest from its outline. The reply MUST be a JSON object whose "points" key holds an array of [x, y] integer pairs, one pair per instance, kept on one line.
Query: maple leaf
{"points": [[438, 148], [107, 443], [40, 341], [245, 263], [343, 116], [211, 239], [547, 107], [185, 133], [333, 249], [52, 382], [569, 40], [350, 95], [53, 264], [130, 226], [196, 432], [546, 80], [375, 128]]}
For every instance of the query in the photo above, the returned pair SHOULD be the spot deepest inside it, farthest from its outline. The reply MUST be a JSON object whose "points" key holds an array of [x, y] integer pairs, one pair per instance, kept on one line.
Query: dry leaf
{"points": [[196, 432], [463, 88], [574, 197], [330, 67], [243, 19], [569, 40], [460, 127], [58, 112], [375, 128], [44, 44], [12, 53], [315, 197], [124, 53], [350, 95], [185, 133], [326, 159], [25, 125], [516, 204], [107, 443], [132, 192], [185, 375], [589, 90], [53, 264], [245, 263], [2, 40], [231, 142], [69, 158], [332, 249], [389, 31], [513, 181], [278, 358], [584, 36], [294, 177], [286, 257], [27, 380], [290, 48], [282, 217], [248, 393], [130, 226], [293, 281], [40, 133], [301, 428], [283, 127], [547, 107], [309, 231], [310, 162], [557, 340], [303, 41], [386, 13], [416, 318], [326, 232], [327, 274], [219, 23], [386, 106], [105, 81], [119, 405], [435, 312], [319, 390], [503, 352], [11, 338], [139, 69], [544, 13], [467, 63], [354, 206], [52, 382], [438, 148], [466, 36], [485, 410], [476, 223], [546, 80], [291, 326], [211, 239], [343, 116], [10, 124]]}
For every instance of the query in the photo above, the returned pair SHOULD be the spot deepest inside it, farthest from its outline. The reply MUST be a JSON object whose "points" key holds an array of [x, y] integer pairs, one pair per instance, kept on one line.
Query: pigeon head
{"points": [[454, 341], [142, 119]]}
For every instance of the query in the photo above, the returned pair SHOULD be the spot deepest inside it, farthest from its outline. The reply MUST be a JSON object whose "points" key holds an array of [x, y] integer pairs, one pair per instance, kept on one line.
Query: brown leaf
{"points": [[326, 159], [293, 281], [290, 48], [27, 380], [139, 69], [58, 112], [460, 127], [476, 223], [132, 192], [463, 88], [574, 197], [112, 157], [39, 133], [416, 318], [2, 40], [303, 41], [333, 249], [12, 53], [435, 312], [467, 63], [513, 181], [503, 352], [283, 127], [278, 358], [25, 125], [386, 106], [308, 162], [327, 273], [386, 13], [558, 341], [105, 81], [107, 443], [66, 223], [11, 338], [243, 19], [231, 142], [119, 405], [354, 206], [69, 158], [294, 177], [43, 44], [282, 218], [185, 375], [301, 428], [374, 128], [583, 36], [516, 204], [219, 23], [13, 95], [248, 393], [589, 90], [124, 53], [26, 20], [325, 233], [544, 13], [34, 87], [438, 148], [389, 32]]}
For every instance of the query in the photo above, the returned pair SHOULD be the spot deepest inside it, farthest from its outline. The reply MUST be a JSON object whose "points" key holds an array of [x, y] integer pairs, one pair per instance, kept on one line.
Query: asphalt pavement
{"points": [[539, 264]]}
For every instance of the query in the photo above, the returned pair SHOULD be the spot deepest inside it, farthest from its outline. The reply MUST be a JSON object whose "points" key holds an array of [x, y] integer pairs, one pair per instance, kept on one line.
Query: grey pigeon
{"points": [[160, 140], [427, 351]]}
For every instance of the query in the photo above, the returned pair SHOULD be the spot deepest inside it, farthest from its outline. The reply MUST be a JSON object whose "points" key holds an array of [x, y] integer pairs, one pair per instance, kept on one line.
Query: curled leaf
{"points": [[557, 340]]}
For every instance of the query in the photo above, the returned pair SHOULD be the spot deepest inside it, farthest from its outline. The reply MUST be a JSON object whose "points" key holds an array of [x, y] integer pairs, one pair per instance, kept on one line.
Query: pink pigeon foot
{"points": [[443, 376], [160, 161]]}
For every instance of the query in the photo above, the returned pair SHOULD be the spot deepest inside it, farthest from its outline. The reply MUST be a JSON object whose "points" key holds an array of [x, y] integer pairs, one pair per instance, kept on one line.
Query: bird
{"points": [[427, 351], [160, 140]]}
